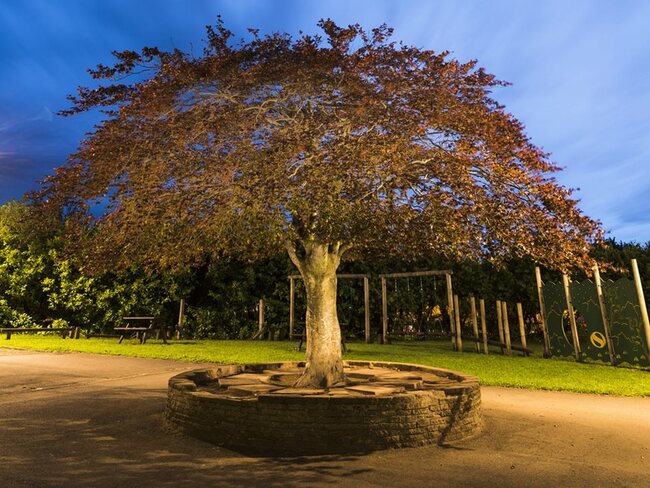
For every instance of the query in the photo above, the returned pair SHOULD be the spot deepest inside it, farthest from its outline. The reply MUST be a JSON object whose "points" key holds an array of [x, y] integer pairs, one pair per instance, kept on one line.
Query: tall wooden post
{"points": [[572, 317], [542, 311], [291, 307], [384, 312], [506, 328], [181, 319], [260, 318], [450, 310], [366, 307], [459, 339], [483, 325], [522, 328], [603, 314], [642, 305], [500, 324], [472, 306]]}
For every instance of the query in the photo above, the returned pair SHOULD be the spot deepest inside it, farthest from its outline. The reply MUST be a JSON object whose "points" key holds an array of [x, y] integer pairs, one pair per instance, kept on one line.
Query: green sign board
{"points": [[626, 327]]}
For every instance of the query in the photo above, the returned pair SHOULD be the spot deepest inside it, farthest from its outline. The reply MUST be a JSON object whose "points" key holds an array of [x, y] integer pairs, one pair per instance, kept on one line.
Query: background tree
{"points": [[343, 146]]}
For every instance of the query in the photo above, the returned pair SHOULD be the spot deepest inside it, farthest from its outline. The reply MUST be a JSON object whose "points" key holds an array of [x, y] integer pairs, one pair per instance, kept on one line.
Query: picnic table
{"points": [[141, 332]]}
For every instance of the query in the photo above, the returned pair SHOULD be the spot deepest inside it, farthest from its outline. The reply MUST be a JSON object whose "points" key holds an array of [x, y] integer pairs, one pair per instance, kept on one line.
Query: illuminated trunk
{"points": [[324, 366]]}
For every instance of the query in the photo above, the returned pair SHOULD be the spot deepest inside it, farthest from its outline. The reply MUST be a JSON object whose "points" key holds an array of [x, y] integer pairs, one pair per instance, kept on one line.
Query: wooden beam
{"points": [[572, 317], [260, 318], [522, 326], [338, 276], [415, 273], [642, 305], [472, 306], [542, 311], [603, 314], [483, 325]]}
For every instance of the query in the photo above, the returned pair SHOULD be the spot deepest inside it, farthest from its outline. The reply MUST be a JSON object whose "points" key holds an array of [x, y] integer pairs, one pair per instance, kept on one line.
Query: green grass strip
{"points": [[494, 369]]}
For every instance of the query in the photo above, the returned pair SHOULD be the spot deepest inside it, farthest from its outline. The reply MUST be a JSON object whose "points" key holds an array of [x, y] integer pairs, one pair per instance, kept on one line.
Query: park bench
{"points": [[71, 332], [142, 332]]}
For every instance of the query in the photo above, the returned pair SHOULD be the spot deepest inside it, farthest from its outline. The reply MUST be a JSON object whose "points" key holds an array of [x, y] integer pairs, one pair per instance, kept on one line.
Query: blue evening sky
{"points": [[580, 72]]}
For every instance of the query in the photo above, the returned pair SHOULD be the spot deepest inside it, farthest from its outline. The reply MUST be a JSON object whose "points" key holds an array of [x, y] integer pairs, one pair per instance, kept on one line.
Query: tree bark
{"points": [[324, 363]]}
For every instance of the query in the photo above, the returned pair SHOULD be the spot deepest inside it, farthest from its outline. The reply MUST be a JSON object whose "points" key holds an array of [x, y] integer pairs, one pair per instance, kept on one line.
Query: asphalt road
{"points": [[77, 420]]}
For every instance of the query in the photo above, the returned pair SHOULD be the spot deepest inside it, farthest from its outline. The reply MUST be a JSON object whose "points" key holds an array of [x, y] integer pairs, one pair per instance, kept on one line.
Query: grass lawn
{"points": [[493, 369]]}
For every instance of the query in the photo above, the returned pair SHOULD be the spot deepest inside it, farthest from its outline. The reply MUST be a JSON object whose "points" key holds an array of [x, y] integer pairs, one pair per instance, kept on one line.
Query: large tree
{"points": [[340, 146]]}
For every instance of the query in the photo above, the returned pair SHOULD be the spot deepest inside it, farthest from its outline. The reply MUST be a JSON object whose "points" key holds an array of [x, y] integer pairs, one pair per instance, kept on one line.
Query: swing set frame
{"points": [[413, 274]]}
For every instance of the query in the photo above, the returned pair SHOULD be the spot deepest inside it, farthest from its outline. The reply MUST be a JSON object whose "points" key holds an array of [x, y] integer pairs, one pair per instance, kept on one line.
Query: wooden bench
{"points": [[141, 332], [72, 332]]}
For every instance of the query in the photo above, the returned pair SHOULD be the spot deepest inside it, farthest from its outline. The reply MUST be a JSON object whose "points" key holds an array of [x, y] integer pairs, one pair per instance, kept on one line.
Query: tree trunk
{"points": [[324, 363]]}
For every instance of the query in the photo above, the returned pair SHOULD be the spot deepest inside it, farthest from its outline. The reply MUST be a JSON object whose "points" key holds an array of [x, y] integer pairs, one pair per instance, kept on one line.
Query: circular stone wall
{"points": [[252, 408]]}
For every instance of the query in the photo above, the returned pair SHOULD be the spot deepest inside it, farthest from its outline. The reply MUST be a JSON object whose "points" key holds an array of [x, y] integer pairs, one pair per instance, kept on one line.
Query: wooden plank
{"points": [[603, 315], [522, 326], [642, 305], [542, 311], [415, 273], [384, 312], [506, 328], [366, 307], [572, 317], [459, 340], [450, 311], [483, 325], [472, 306]]}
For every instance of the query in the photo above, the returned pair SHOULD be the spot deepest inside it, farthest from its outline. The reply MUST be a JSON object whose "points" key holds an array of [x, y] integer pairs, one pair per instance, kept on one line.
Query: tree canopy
{"points": [[346, 138]]}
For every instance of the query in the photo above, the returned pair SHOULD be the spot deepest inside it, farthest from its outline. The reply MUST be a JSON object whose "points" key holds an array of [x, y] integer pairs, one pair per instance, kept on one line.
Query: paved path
{"points": [[83, 420]]}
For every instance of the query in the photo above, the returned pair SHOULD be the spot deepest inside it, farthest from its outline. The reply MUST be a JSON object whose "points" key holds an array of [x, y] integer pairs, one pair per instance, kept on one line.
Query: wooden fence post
{"points": [[500, 324], [603, 314], [366, 307], [260, 319], [522, 328], [459, 339], [484, 326], [542, 311], [384, 312], [472, 305], [451, 312], [642, 305], [572, 317], [506, 328], [291, 308]]}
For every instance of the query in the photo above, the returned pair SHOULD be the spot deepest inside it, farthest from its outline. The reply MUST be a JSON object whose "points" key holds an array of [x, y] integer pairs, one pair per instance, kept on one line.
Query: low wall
{"points": [[323, 423]]}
